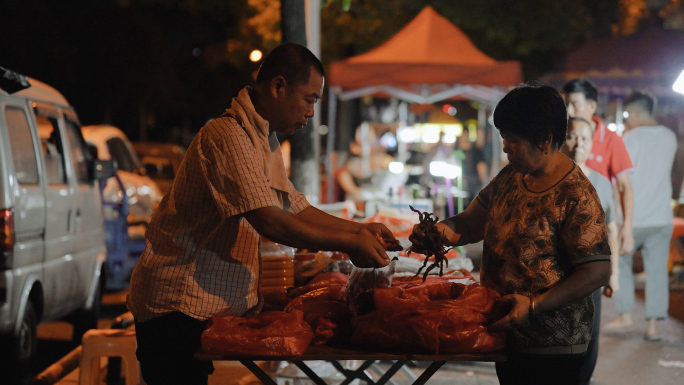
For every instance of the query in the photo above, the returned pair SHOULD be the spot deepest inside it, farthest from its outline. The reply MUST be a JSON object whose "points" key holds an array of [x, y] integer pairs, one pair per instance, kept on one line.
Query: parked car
{"points": [[161, 161], [143, 193], [132, 194], [52, 248]]}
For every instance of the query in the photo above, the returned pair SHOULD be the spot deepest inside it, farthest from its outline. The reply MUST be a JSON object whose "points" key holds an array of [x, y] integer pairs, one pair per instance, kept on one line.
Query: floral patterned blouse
{"points": [[532, 241]]}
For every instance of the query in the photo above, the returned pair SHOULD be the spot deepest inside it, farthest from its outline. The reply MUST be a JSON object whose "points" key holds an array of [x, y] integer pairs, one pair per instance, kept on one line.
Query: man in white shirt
{"points": [[652, 149]]}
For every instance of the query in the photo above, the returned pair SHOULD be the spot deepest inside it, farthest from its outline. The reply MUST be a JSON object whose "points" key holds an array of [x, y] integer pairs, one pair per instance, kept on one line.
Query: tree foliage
{"points": [[178, 62]]}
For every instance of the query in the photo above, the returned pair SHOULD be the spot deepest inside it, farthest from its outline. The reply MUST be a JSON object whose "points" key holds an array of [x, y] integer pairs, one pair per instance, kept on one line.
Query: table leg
{"points": [[309, 373], [425, 376], [408, 372], [260, 374], [391, 372], [351, 375]]}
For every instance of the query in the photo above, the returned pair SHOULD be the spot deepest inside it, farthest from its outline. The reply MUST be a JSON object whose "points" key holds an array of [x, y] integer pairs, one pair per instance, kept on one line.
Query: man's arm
{"points": [[317, 217], [624, 188], [614, 243], [284, 227]]}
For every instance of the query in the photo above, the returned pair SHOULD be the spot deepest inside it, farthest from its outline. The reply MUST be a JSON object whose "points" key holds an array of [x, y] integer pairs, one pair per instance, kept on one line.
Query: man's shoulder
{"points": [[226, 122], [644, 132]]}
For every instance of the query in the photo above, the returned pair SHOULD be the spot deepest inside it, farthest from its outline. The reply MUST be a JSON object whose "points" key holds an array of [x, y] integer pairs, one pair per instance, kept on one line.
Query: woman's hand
{"points": [[518, 315], [419, 241]]}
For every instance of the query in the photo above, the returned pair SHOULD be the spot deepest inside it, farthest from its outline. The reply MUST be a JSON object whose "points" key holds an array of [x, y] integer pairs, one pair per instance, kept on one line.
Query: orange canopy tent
{"points": [[427, 61]]}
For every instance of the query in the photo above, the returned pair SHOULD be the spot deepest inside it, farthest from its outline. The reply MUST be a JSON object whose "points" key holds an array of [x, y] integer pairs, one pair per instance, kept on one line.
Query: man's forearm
{"points": [[317, 217], [626, 200], [289, 229]]}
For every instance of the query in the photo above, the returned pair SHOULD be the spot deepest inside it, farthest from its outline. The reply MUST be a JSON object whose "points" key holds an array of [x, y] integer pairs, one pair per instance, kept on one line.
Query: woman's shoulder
{"points": [[506, 173]]}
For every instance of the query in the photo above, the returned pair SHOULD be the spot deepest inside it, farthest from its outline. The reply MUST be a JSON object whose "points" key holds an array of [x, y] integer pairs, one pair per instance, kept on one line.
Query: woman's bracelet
{"points": [[531, 309]]}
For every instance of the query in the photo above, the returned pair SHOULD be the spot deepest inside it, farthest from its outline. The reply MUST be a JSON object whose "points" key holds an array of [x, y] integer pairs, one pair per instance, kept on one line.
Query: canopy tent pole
{"points": [[329, 166]]}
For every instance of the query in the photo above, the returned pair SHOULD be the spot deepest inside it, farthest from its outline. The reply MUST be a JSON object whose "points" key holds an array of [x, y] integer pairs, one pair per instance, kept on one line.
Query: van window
{"points": [[21, 145], [77, 151], [53, 150], [123, 155]]}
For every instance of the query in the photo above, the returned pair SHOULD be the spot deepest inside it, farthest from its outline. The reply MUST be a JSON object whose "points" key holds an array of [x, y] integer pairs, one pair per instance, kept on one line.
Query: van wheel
{"points": [[19, 352], [86, 319]]}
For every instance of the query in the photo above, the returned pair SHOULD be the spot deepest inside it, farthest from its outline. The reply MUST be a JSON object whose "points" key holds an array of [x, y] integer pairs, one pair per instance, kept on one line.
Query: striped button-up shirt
{"points": [[202, 257]]}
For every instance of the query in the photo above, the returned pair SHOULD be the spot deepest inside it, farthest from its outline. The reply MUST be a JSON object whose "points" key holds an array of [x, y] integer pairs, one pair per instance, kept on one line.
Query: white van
{"points": [[52, 249]]}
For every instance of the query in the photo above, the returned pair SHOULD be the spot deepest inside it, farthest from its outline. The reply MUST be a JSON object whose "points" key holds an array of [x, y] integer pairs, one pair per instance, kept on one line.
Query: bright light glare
{"points": [[449, 137], [396, 167], [407, 135], [612, 127], [678, 85], [388, 140], [431, 134], [444, 169], [625, 114], [255, 55]]}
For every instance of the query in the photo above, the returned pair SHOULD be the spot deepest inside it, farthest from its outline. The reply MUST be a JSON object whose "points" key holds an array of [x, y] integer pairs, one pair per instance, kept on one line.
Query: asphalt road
{"points": [[55, 337]]}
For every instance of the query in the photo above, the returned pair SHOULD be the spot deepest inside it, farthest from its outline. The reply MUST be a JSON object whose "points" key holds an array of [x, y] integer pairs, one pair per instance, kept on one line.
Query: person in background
{"points": [[545, 246], [203, 244], [608, 155], [474, 168], [577, 147], [652, 148]]}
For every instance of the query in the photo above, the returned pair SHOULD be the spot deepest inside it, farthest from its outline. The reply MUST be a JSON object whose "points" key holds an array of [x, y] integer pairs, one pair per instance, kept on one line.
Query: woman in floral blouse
{"points": [[545, 245]]}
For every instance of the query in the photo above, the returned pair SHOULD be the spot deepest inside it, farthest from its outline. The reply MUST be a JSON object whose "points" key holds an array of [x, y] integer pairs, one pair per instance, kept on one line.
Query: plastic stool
{"points": [[99, 343]]}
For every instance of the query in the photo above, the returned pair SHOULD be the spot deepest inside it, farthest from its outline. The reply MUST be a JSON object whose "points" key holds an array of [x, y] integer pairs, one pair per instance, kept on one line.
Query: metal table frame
{"points": [[334, 355]]}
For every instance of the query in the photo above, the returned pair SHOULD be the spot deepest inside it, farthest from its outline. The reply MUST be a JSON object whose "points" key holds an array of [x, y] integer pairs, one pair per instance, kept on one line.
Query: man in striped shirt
{"points": [[203, 244]]}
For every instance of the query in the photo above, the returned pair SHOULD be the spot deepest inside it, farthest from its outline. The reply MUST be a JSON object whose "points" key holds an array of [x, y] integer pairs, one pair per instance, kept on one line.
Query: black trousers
{"points": [[589, 363], [166, 346], [539, 369]]}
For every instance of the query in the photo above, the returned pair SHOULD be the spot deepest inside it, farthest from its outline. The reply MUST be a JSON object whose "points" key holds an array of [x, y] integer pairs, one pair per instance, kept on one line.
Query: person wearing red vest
{"points": [[609, 155]]}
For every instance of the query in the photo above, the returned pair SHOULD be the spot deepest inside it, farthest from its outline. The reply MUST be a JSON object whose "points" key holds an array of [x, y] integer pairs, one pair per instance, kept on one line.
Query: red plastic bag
{"points": [[271, 333], [330, 321], [435, 318]]}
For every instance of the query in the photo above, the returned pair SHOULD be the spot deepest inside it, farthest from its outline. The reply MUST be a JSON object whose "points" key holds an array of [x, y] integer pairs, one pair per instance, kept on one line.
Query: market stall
{"points": [[394, 314], [427, 61]]}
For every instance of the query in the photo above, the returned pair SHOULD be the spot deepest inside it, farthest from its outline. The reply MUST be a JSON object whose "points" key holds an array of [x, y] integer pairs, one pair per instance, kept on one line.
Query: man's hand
{"points": [[366, 251], [626, 240], [382, 234], [518, 315]]}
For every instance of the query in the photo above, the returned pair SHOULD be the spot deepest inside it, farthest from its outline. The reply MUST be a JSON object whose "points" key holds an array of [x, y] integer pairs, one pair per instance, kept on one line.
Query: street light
{"points": [[678, 85], [255, 55]]}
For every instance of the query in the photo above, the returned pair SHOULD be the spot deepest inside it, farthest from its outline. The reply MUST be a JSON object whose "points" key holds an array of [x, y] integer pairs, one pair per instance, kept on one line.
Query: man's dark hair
{"points": [[291, 61], [582, 120], [643, 100], [584, 86], [535, 112]]}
